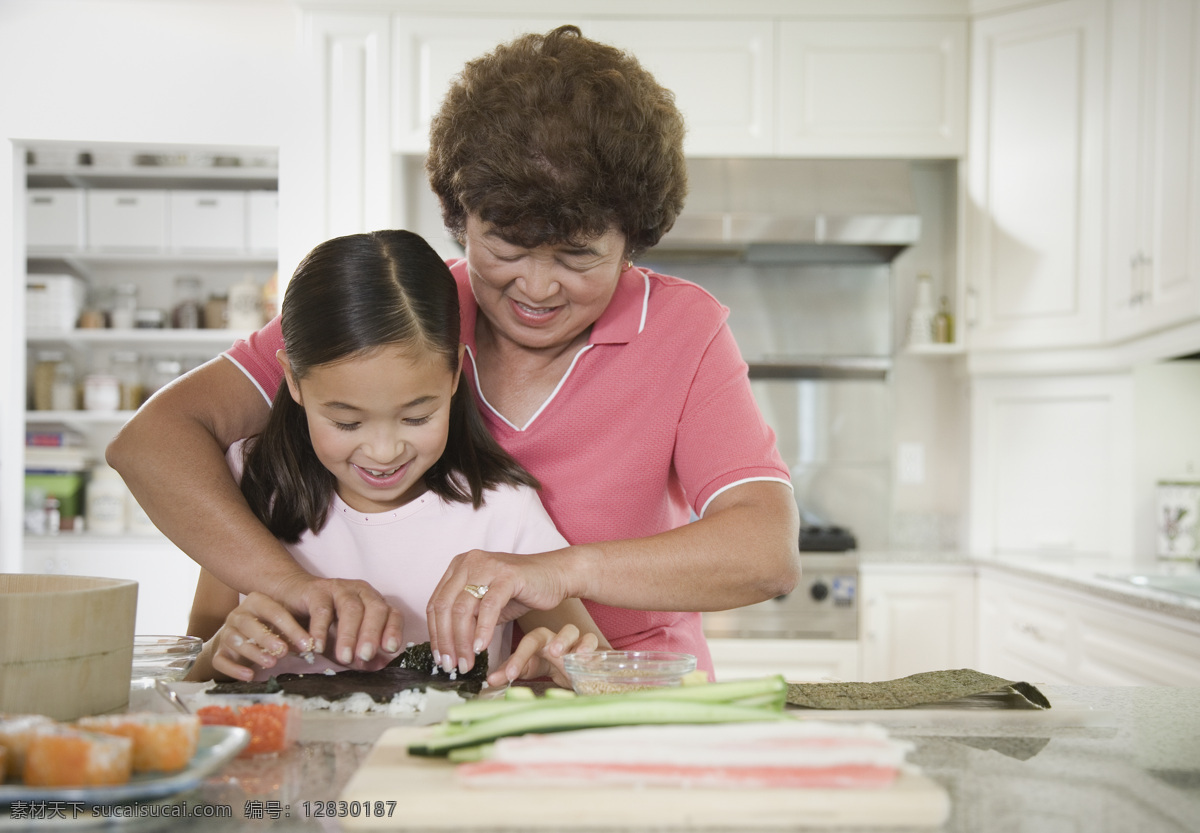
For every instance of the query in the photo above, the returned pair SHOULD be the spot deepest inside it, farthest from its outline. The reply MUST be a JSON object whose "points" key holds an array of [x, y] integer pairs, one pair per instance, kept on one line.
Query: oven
{"points": [[823, 606]]}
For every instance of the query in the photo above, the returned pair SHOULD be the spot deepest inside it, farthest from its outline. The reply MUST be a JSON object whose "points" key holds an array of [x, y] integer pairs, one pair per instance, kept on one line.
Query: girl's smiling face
{"points": [[378, 421]]}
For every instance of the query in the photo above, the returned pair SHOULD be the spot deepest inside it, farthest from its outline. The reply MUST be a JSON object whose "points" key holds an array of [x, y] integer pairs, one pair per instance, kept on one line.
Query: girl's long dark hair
{"points": [[349, 296]]}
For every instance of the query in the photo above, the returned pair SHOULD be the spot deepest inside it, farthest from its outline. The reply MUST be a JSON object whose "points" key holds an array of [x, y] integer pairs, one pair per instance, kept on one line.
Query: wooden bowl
{"points": [[66, 644]]}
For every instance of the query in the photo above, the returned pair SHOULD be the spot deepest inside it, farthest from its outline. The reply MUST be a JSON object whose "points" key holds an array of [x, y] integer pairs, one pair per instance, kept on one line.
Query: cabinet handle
{"points": [[127, 201], [1031, 630]]}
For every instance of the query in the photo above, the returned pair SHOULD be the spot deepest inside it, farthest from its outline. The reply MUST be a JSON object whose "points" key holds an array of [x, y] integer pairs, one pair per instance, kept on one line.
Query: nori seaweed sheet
{"points": [[412, 670], [916, 690]]}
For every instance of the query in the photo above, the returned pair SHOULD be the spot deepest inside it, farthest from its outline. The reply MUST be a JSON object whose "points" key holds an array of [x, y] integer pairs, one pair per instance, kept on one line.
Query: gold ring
{"points": [[476, 590]]}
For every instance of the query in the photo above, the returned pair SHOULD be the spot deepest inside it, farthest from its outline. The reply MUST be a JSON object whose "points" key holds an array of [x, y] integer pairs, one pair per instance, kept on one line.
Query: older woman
{"points": [[557, 160]]}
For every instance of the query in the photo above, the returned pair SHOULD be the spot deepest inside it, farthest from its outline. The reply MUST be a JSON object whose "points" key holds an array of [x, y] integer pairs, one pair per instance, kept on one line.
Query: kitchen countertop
{"points": [[1074, 572], [1132, 764]]}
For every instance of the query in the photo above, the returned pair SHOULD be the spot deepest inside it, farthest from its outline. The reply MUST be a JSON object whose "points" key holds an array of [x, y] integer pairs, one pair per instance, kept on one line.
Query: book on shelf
{"points": [[51, 435]]}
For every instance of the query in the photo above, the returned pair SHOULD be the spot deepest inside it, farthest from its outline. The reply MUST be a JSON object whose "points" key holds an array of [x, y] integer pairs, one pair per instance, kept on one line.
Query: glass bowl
{"points": [[166, 658], [614, 672]]}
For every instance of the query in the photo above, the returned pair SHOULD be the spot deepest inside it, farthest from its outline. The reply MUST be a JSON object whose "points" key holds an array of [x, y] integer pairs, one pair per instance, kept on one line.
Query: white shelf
{"points": [[78, 417], [159, 338], [935, 349], [86, 257]]}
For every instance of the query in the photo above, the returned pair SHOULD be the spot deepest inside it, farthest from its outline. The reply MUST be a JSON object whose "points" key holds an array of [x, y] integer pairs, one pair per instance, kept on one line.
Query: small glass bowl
{"points": [[166, 658], [615, 672]]}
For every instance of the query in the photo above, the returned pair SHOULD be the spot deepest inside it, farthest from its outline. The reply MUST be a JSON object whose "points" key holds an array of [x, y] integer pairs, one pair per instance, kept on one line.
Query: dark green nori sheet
{"points": [[915, 690], [411, 670]]}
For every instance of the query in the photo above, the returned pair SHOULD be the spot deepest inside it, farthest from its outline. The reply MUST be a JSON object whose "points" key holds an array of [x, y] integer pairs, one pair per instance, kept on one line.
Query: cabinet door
{"points": [[1035, 176], [798, 660], [921, 621], [427, 53], [721, 72], [343, 151], [166, 577], [872, 88], [1052, 465], [1154, 174]]}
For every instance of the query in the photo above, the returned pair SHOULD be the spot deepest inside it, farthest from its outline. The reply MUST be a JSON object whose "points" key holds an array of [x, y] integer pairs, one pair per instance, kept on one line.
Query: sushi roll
{"points": [[64, 756], [15, 732], [161, 742]]}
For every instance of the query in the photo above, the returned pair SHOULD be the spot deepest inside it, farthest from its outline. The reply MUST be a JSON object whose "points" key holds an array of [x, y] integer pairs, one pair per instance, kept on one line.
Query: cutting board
{"points": [[428, 797]]}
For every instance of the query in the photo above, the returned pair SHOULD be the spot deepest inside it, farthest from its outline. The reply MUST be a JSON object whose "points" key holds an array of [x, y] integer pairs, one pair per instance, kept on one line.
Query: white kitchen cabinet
{"points": [[427, 52], [1052, 465], [872, 88], [798, 660], [1041, 633], [1036, 177], [166, 577], [722, 72], [915, 618], [345, 144], [1153, 253], [846, 89]]}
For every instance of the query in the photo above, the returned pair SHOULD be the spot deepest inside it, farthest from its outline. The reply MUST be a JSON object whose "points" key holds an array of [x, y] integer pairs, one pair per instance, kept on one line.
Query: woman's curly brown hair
{"points": [[556, 138]]}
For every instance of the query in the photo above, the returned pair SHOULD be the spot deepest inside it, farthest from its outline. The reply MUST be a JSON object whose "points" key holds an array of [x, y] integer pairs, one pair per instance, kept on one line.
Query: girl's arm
{"points": [[172, 456], [550, 635]]}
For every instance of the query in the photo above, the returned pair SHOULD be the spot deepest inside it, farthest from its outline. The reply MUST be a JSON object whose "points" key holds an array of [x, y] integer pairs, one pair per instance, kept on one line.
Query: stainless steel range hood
{"points": [[794, 211]]}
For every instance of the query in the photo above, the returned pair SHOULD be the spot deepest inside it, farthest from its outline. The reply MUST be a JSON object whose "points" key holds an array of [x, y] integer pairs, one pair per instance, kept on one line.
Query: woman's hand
{"points": [[541, 654], [369, 632], [506, 587]]}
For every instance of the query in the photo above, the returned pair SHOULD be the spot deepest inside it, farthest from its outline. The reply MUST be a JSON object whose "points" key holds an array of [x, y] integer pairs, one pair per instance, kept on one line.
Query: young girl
{"points": [[375, 464]]}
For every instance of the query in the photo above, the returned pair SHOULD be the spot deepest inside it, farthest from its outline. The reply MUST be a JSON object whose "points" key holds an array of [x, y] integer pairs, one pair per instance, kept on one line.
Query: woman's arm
{"points": [[172, 456], [753, 528]]}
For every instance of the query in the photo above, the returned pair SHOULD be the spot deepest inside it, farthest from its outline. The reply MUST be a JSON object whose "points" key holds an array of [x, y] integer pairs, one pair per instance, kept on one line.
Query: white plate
{"points": [[217, 746]]}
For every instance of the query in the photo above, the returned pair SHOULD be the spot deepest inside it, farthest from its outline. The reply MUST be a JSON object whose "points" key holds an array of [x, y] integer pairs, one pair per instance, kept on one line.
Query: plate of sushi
{"points": [[110, 759]]}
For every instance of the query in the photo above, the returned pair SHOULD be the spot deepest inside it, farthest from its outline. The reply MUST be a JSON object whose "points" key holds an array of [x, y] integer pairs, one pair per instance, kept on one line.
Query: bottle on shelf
{"points": [[106, 502], [943, 323], [64, 394], [124, 306], [920, 320]]}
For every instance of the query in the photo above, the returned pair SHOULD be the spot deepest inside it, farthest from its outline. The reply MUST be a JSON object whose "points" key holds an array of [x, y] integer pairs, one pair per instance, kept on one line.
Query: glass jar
{"points": [[125, 304], [64, 396], [188, 312], [162, 373], [44, 373], [127, 368]]}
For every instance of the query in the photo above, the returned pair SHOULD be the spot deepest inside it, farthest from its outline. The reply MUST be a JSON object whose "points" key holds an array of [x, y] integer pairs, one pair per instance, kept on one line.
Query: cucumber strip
{"points": [[582, 715], [764, 691]]}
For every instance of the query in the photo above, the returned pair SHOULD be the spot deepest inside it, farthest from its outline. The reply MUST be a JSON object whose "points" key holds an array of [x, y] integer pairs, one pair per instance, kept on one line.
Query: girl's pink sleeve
{"points": [[255, 355]]}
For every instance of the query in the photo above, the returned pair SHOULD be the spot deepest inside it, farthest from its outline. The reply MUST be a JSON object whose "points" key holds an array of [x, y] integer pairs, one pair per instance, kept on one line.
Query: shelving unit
{"points": [[84, 178]]}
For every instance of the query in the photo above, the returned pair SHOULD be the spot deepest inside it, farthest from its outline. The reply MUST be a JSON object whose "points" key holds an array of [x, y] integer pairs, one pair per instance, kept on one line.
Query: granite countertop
{"points": [[1109, 759], [1087, 574]]}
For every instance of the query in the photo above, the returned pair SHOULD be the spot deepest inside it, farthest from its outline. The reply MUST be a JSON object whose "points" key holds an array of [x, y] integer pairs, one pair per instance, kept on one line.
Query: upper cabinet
{"points": [[427, 53], [722, 74], [745, 87], [865, 88], [1036, 177], [1153, 253]]}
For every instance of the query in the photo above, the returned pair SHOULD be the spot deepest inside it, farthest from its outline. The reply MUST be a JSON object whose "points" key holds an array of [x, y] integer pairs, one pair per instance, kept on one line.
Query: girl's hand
{"points": [[251, 637], [540, 654]]}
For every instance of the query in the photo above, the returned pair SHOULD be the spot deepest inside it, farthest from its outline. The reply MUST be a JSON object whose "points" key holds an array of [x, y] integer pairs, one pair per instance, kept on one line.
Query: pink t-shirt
{"points": [[404, 553], [653, 419]]}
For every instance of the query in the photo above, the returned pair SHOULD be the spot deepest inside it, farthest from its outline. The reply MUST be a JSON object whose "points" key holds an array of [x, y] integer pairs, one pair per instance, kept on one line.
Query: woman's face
{"points": [[378, 422], [545, 297]]}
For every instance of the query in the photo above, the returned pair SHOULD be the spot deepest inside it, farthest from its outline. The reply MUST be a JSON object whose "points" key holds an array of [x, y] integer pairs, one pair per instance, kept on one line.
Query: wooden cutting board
{"points": [[428, 797]]}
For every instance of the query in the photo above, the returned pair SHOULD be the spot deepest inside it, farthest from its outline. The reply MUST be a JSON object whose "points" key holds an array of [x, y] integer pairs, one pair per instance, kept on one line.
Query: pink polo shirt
{"points": [[652, 420]]}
